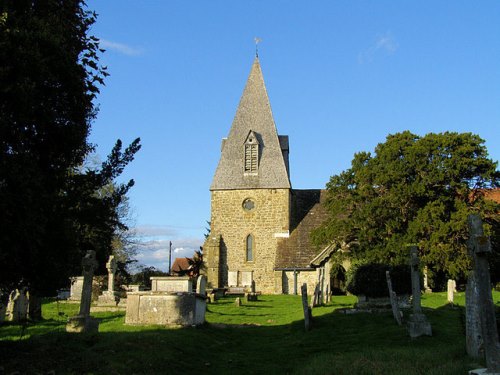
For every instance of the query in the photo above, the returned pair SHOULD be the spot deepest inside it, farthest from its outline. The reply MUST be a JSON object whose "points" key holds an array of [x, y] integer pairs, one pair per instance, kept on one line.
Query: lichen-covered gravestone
{"points": [[83, 322], [418, 324], [451, 289], [479, 294]]}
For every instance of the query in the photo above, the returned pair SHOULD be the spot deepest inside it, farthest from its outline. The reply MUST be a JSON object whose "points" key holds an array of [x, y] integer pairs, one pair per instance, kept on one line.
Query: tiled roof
{"points": [[253, 114], [180, 264], [307, 213]]}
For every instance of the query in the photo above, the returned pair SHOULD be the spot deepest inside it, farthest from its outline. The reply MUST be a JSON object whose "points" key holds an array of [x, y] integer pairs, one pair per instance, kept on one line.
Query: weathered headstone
{"points": [[252, 295], [83, 322], [394, 300], [76, 285], [237, 301], [315, 298], [232, 278], [473, 334], [418, 324], [451, 288], [17, 307], [479, 246], [110, 297], [201, 285], [306, 308]]}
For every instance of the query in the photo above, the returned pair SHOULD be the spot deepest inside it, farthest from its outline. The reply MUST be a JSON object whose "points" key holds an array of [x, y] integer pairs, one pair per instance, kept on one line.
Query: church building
{"points": [[259, 226]]}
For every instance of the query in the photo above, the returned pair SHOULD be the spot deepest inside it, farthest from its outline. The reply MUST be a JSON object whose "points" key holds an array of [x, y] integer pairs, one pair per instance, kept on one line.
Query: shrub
{"points": [[370, 280]]}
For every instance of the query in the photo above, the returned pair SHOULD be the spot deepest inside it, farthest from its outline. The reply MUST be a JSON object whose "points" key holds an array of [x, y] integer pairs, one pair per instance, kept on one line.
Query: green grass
{"points": [[263, 337]]}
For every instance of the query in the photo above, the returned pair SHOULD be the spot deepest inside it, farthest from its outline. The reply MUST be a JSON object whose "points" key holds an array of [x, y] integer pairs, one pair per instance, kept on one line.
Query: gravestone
{"points": [[237, 301], [452, 288], [246, 278], [83, 322], [396, 312], [252, 296], [479, 247], [232, 278], [418, 324], [306, 308], [473, 334], [76, 284], [17, 307], [201, 285], [110, 297], [315, 298]]}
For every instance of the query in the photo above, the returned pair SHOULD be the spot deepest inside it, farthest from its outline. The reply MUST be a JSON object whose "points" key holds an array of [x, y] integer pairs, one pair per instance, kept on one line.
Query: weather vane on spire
{"points": [[257, 41]]}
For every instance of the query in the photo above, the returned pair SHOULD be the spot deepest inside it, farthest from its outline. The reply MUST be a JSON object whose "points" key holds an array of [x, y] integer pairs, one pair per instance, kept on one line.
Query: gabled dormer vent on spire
{"points": [[251, 149]]}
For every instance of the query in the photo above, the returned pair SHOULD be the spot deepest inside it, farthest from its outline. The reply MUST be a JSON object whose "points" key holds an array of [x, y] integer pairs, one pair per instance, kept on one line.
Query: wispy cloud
{"points": [[384, 43], [120, 48]]}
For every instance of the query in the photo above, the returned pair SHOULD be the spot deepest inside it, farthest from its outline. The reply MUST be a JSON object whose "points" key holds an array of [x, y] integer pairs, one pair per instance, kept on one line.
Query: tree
{"points": [[52, 212], [412, 190]]}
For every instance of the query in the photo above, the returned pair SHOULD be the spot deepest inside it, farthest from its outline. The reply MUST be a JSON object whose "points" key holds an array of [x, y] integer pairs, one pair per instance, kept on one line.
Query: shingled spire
{"points": [[267, 167]]}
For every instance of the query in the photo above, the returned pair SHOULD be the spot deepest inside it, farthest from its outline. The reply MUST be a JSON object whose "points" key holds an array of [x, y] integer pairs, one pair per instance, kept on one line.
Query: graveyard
{"points": [[264, 336]]}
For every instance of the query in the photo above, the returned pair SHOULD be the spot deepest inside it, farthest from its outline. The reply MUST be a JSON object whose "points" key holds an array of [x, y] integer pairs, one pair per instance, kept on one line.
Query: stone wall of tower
{"points": [[268, 222]]}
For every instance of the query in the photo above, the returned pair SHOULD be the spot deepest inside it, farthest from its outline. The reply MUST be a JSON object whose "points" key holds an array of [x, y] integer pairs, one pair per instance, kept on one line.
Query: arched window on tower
{"points": [[251, 154], [250, 248]]}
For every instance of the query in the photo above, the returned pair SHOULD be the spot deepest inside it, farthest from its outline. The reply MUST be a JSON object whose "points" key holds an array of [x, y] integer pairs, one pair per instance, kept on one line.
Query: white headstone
{"points": [[246, 278], [232, 278]]}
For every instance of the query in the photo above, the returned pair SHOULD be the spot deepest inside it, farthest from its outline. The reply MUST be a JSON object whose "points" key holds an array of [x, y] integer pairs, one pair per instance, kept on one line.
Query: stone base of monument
{"points": [[418, 325], [82, 324], [108, 298], [165, 308]]}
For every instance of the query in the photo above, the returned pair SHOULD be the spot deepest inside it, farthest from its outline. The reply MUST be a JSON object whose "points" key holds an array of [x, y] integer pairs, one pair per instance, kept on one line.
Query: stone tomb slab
{"points": [[171, 284]]}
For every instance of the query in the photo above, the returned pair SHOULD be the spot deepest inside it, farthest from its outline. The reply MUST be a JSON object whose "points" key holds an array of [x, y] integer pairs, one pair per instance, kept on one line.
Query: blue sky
{"points": [[341, 76]]}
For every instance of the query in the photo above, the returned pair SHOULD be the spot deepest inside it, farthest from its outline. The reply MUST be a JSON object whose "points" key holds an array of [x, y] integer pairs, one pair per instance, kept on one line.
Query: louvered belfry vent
{"points": [[251, 154]]}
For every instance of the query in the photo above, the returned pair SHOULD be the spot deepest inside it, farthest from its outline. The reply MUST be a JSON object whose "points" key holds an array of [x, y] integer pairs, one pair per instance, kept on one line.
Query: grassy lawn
{"points": [[263, 337]]}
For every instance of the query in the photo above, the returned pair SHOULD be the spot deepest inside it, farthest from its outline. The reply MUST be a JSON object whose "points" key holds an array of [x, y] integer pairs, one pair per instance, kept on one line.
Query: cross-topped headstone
{"points": [[479, 246], [111, 266], [89, 264], [83, 322]]}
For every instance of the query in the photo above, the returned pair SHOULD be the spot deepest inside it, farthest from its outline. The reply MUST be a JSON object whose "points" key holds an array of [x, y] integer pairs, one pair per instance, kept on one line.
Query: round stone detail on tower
{"points": [[248, 204]]}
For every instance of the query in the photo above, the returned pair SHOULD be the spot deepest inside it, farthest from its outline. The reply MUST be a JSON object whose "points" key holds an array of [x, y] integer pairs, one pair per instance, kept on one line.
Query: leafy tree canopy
{"points": [[413, 190]]}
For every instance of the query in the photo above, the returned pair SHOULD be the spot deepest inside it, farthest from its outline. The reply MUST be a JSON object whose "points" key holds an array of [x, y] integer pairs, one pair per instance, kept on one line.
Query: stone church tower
{"points": [[252, 203]]}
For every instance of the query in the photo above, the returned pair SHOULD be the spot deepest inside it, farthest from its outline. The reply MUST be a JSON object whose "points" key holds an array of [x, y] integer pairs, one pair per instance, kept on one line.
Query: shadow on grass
{"points": [[338, 344]]}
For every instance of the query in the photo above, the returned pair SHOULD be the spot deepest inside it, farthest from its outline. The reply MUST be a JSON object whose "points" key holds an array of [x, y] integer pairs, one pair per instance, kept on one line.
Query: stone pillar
{"points": [[426, 281], [212, 251], [417, 324], [452, 288], [306, 308], [83, 322], [479, 246], [111, 267]]}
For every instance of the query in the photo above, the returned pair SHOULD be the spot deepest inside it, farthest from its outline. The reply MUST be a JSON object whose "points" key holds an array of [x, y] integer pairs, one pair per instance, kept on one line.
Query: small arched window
{"points": [[249, 246]]}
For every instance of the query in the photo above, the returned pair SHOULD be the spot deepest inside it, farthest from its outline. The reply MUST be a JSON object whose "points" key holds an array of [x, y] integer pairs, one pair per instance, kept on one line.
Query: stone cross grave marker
{"points": [[111, 267], [479, 246], [83, 322], [418, 324], [306, 308], [394, 300]]}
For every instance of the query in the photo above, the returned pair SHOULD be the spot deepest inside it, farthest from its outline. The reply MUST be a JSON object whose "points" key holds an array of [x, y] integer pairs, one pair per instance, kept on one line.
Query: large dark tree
{"points": [[50, 210], [413, 190]]}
